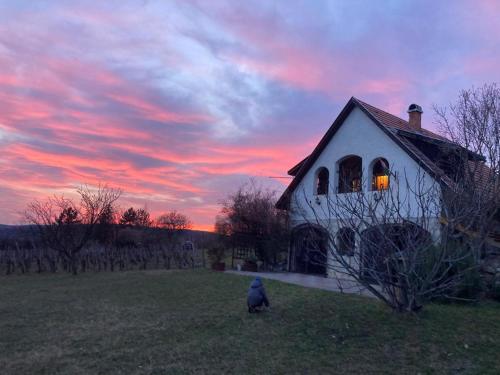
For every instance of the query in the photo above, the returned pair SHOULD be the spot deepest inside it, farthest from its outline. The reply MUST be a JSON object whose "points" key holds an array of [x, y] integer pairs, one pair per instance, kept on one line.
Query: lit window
{"points": [[380, 175], [381, 182]]}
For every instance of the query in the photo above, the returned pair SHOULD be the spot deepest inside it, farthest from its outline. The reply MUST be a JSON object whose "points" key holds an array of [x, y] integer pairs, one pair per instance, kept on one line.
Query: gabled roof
{"points": [[396, 128]]}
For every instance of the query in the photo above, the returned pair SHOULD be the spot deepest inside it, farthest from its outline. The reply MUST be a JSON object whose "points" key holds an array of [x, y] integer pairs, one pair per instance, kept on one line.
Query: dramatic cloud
{"points": [[180, 102]]}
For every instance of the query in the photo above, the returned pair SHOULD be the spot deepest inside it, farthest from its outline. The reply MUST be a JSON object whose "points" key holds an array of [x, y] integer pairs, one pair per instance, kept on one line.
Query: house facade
{"points": [[367, 152]]}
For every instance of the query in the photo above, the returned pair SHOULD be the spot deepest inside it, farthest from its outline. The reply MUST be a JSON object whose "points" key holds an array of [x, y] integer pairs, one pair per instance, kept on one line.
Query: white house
{"points": [[365, 149]]}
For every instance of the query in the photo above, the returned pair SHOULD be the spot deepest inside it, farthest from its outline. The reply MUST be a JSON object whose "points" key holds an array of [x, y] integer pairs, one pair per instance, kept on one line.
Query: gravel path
{"points": [[310, 281]]}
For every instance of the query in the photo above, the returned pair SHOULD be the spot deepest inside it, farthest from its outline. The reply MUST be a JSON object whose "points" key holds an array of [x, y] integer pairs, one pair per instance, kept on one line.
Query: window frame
{"points": [[324, 182], [374, 186], [342, 184]]}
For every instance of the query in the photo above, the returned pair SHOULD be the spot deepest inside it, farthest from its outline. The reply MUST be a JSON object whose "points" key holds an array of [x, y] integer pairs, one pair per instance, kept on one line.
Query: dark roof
{"points": [[396, 128], [395, 122]]}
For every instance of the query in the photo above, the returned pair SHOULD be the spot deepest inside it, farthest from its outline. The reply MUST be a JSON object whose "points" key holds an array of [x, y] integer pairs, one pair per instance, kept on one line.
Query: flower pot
{"points": [[219, 266]]}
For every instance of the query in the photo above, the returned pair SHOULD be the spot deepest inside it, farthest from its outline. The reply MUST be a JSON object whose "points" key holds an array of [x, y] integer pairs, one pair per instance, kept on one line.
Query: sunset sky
{"points": [[180, 102]]}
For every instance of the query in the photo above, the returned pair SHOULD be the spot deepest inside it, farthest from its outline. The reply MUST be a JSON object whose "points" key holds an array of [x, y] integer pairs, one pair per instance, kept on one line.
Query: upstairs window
{"points": [[350, 174], [380, 175], [321, 185]]}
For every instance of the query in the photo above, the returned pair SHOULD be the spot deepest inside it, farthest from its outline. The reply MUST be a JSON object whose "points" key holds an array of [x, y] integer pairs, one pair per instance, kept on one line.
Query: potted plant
{"points": [[250, 264], [216, 256]]}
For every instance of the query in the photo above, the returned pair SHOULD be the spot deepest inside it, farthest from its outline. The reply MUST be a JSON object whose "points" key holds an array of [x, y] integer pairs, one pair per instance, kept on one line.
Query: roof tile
{"points": [[394, 122]]}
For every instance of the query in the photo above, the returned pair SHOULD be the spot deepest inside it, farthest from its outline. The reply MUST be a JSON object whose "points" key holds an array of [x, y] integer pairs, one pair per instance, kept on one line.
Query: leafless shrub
{"points": [[172, 225], [473, 201], [66, 226], [250, 220], [404, 258], [90, 235]]}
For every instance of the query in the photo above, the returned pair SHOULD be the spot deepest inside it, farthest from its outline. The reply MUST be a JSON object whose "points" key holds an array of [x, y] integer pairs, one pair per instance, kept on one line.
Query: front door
{"points": [[309, 251]]}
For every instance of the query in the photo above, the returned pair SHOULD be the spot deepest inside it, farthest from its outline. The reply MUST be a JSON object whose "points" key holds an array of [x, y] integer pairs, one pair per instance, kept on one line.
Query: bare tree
{"points": [[473, 122], [404, 256], [173, 221], [250, 220], [67, 226], [172, 224], [473, 209], [105, 232]]}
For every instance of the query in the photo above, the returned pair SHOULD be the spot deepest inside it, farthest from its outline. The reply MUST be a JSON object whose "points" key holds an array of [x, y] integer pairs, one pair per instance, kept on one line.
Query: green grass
{"points": [[196, 322]]}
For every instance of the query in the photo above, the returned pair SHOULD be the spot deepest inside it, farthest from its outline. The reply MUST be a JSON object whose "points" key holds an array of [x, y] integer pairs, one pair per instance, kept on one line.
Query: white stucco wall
{"points": [[359, 136]]}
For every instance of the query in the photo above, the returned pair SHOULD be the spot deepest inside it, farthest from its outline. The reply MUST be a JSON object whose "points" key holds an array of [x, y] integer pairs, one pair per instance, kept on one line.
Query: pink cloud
{"points": [[142, 100]]}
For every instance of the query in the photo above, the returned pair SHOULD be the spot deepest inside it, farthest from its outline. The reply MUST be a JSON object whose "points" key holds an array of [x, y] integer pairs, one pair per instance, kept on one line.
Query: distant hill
{"points": [[199, 233], [11, 231], [14, 231]]}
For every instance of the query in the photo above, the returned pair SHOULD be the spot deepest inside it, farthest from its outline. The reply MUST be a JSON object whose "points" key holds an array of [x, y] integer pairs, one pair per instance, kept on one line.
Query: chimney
{"points": [[415, 114]]}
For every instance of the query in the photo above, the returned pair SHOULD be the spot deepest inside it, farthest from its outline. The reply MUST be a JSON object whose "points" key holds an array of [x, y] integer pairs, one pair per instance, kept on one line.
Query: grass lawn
{"points": [[196, 322]]}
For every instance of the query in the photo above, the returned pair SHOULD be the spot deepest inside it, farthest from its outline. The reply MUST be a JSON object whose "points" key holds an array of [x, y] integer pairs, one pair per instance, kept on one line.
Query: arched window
{"points": [[345, 241], [309, 250], [321, 184], [350, 174], [380, 175]]}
